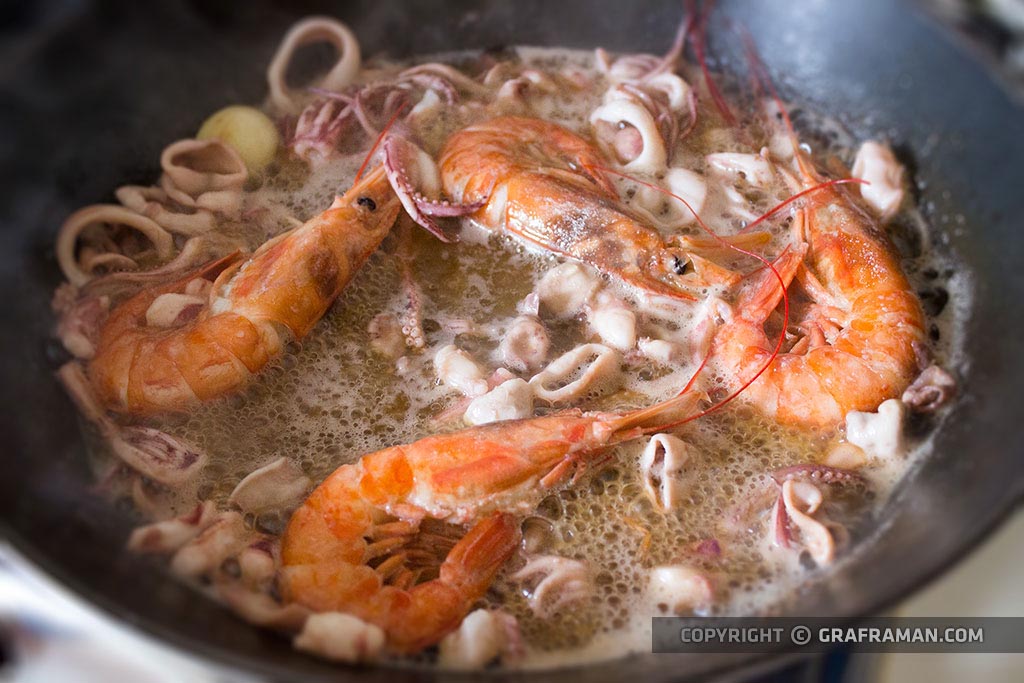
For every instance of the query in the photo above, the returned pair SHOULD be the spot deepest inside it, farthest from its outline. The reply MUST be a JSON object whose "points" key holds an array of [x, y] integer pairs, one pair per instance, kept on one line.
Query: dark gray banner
{"points": [[876, 634]]}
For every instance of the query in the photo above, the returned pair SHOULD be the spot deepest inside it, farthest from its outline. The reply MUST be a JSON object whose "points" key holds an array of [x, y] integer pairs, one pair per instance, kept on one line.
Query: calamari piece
{"points": [[173, 309], [634, 67], [886, 186], [85, 223], [277, 486], [204, 174], [446, 79], [587, 370], [627, 132], [79, 320], [639, 121], [690, 186], [258, 561], [307, 32], [516, 92], [427, 108], [664, 209], [524, 346], [169, 535], [756, 169], [663, 466], [880, 433], [457, 369], [157, 454], [677, 91], [319, 128], [220, 541], [483, 637], [562, 581], [260, 609], [155, 203], [511, 400], [800, 500], [845, 455], [196, 251], [679, 589], [612, 321], [386, 337], [659, 350], [340, 637], [202, 185], [565, 289], [932, 389], [417, 182]]}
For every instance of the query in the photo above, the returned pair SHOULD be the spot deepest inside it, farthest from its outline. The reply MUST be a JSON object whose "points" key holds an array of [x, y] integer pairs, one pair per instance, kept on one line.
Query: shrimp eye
{"points": [[678, 265], [367, 202]]}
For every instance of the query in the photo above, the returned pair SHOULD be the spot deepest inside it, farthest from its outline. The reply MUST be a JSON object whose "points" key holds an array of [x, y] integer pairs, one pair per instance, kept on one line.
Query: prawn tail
{"points": [[474, 561], [438, 607], [763, 293]]}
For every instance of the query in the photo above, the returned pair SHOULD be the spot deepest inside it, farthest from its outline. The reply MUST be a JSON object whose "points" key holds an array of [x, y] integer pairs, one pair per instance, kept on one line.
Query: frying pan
{"points": [[91, 93]]}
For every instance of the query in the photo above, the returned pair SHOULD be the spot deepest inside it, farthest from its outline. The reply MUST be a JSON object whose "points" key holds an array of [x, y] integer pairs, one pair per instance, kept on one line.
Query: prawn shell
{"points": [[287, 286]]}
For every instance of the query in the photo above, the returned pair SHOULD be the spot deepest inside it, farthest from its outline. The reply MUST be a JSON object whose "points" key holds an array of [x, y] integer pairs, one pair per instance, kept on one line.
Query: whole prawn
{"points": [[541, 182], [859, 336], [360, 543], [284, 288]]}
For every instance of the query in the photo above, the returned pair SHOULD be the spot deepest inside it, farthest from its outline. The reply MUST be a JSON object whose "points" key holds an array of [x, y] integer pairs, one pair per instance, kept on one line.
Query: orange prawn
{"points": [[858, 336], [855, 341], [361, 542], [283, 289], [541, 182]]}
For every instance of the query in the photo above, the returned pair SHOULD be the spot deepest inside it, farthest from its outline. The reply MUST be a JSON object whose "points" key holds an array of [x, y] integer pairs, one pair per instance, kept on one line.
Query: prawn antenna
{"points": [[763, 83], [380, 137], [700, 25], [800, 195]]}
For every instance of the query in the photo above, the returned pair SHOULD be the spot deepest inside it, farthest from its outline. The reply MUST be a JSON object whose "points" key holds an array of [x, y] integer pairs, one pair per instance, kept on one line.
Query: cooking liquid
{"points": [[331, 399]]}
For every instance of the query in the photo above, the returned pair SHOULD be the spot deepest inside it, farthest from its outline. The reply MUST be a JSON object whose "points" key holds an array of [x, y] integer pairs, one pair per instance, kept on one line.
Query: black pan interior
{"points": [[92, 91]]}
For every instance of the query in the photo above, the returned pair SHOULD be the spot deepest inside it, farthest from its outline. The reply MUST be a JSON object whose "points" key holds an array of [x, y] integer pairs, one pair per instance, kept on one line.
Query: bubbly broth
{"points": [[332, 398]]}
